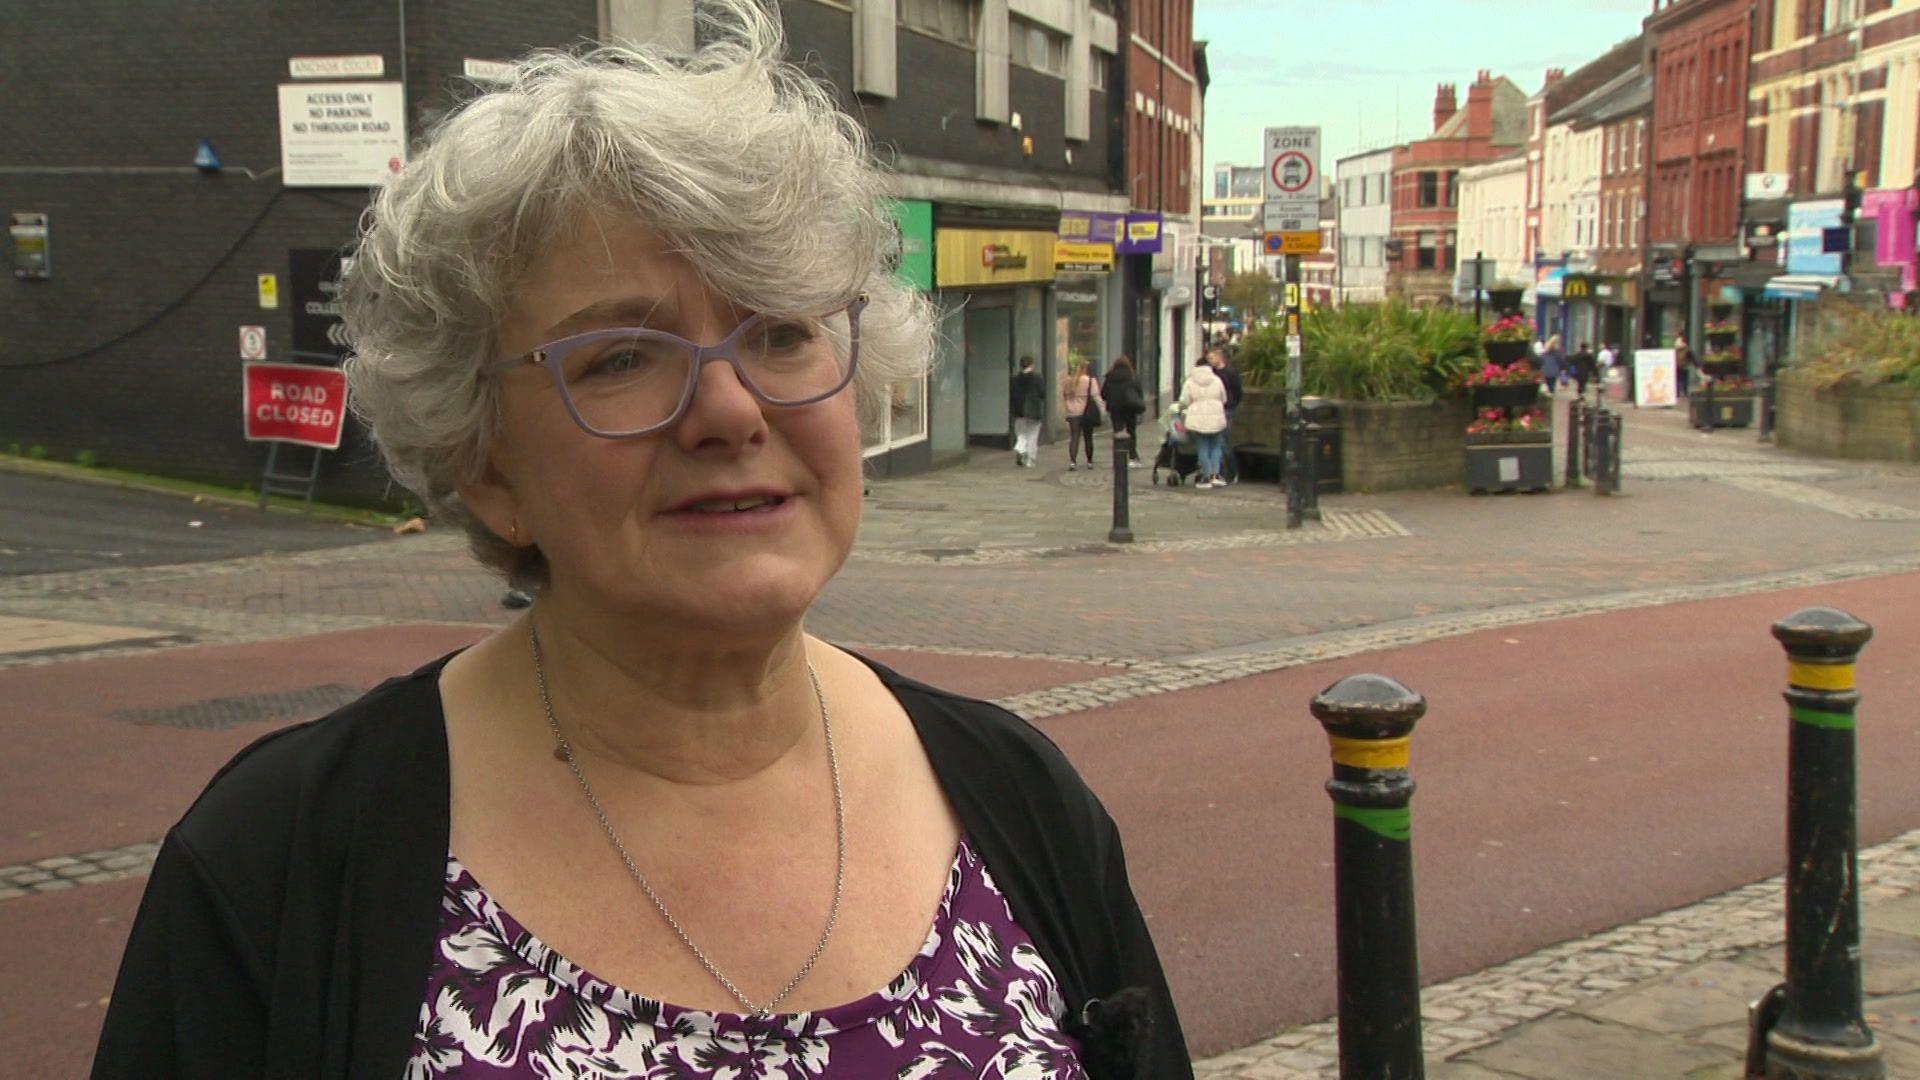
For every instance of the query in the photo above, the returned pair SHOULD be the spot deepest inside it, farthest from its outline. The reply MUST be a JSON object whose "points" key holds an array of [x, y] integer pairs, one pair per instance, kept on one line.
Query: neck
{"points": [[667, 707]]}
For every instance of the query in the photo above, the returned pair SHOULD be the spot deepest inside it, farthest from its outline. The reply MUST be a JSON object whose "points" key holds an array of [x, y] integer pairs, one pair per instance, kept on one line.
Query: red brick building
{"points": [[1620, 255], [1421, 253], [1160, 117], [1698, 51]]}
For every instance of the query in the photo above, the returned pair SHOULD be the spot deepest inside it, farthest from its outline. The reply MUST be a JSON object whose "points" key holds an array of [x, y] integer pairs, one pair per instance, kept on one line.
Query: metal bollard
{"points": [[1122, 531], [1819, 1030], [1369, 722], [1766, 410], [1576, 434], [1607, 428], [1589, 435]]}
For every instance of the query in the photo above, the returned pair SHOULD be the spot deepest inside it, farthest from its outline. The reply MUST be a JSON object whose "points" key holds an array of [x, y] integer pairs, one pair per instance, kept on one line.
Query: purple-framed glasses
{"points": [[626, 382]]}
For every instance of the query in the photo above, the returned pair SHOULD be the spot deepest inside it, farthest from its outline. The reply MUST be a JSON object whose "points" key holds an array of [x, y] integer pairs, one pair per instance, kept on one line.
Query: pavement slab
{"points": [[1573, 1046], [62, 951]]}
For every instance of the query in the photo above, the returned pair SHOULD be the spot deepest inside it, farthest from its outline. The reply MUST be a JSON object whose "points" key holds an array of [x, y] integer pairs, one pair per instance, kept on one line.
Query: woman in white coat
{"points": [[1203, 401]]}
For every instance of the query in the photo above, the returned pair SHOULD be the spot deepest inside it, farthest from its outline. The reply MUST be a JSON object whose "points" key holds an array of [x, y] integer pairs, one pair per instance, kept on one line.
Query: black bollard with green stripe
{"points": [[1369, 721], [1818, 1025]]}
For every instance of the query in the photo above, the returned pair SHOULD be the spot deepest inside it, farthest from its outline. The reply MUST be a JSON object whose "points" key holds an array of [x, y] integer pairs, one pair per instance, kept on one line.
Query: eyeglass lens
{"points": [[621, 383]]}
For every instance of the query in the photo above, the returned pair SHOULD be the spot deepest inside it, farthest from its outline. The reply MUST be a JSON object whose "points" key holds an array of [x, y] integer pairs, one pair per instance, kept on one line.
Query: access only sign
{"points": [[295, 403]]}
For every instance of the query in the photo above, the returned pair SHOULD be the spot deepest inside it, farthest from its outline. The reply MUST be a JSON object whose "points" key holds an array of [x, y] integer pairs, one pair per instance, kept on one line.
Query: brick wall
{"points": [[131, 350], [1881, 423]]}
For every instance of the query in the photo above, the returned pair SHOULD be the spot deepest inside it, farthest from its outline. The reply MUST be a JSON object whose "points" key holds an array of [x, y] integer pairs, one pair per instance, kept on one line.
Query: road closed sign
{"points": [[295, 403]]}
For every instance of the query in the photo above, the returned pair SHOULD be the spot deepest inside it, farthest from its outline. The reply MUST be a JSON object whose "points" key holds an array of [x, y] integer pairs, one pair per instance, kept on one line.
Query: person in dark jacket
{"points": [[1583, 365], [1027, 401], [651, 826], [1125, 403]]}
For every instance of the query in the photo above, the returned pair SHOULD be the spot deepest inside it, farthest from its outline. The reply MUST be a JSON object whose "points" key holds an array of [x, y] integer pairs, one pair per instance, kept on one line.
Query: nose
{"points": [[723, 412]]}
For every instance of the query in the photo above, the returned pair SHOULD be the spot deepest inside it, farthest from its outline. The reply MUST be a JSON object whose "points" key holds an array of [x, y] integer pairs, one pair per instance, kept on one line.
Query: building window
{"points": [[957, 21], [1036, 47], [1097, 73], [1427, 254], [1429, 189], [1453, 187]]}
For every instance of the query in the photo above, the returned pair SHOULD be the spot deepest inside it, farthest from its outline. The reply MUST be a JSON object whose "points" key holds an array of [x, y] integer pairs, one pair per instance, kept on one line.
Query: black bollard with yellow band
{"points": [[1369, 721], [1820, 1032]]}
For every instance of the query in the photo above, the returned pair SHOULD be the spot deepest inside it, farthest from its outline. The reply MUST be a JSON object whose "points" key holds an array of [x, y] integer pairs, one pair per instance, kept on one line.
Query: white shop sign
{"points": [[1653, 379], [342, 134]]}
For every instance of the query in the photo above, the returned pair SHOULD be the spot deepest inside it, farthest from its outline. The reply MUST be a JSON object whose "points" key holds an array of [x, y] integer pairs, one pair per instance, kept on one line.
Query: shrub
{"points": [[37, 452], [86, 459], [1388, 352], [1853, 344], [1262, 357]]}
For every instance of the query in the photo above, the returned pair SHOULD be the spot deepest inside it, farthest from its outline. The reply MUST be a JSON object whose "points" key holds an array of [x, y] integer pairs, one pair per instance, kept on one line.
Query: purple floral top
{"points": [[977, 1001]]}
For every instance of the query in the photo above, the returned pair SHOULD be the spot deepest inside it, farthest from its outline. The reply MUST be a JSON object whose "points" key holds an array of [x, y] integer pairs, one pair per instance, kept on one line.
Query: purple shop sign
{"points": [[1092, 227], [1141, 235]]}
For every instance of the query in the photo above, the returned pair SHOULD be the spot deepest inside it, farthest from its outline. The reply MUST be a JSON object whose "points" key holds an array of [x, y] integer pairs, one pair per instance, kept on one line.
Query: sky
{"points": [[1343, 64]]}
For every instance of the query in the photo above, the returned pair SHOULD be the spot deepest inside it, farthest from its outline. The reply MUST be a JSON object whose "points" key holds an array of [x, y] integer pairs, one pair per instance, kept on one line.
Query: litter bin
{"points": [[1324, 444]]}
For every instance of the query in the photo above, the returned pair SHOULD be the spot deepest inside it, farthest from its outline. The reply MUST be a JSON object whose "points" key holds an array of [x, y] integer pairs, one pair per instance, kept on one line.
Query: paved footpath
{"points": [[1600, 808]]}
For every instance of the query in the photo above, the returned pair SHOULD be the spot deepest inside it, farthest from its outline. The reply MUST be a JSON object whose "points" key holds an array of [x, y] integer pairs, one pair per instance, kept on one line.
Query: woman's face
{"points": [[728, 522]]}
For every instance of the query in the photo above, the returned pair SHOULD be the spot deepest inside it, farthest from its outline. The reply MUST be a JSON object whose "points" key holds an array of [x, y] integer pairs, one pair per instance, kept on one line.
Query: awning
{"points": [[1799, 286]]}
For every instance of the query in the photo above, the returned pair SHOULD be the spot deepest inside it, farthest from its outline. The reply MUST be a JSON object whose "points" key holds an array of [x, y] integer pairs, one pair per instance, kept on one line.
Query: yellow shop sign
{"points": [[991, 257], [1074, 257]]}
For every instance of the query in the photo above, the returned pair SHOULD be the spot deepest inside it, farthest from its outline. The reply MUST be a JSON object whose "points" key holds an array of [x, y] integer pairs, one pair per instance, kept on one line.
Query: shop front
{"points": [[899, 442], [993, 284], [1086, 292], [1143, 284]]}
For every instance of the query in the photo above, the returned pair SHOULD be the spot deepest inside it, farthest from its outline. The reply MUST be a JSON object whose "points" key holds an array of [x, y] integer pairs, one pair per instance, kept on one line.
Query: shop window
{"points": [[905, 420], [951, 20], [1036, 47]]}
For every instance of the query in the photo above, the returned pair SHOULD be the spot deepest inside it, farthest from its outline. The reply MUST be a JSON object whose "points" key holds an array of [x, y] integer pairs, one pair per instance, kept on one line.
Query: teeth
{"points": [[731, 506]]}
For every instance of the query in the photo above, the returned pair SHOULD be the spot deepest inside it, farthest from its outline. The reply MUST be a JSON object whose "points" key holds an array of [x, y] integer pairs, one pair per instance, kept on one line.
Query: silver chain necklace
{"points": [[839, 842]]}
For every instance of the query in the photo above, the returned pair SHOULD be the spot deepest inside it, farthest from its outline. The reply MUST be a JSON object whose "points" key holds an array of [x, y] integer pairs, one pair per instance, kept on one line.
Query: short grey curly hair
{"points": [[740, 159]]}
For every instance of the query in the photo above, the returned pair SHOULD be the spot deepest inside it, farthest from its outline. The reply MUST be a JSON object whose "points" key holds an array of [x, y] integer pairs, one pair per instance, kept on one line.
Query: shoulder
{"points": [[313, 780], [986, 755]]}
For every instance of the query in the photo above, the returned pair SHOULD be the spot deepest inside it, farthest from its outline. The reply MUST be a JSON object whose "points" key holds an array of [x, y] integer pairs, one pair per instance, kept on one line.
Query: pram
{"points": [[1179, 456], [1177, 453]]}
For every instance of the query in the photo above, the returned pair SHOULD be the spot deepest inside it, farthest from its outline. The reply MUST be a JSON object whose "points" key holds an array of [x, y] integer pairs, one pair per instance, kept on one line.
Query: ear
{"points": [[492, 500]]}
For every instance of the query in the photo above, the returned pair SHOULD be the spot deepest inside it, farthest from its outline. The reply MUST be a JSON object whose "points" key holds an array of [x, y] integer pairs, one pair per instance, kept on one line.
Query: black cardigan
{"points": [[290, 919]]}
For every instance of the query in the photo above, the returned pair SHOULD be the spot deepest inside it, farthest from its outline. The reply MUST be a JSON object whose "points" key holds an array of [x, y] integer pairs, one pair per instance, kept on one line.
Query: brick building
{"points": [[1001, 126], [1422, 250], [1165, 82], [1698, 52]]}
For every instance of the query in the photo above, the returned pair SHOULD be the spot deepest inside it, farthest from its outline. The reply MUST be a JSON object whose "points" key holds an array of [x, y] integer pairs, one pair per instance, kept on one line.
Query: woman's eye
{"points": [[788, 335]]}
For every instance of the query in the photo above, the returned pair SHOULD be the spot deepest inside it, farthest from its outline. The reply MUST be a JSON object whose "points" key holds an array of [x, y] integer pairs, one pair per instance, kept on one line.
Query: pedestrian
{"points": [[1028, 403], [1583, 367], [1125, 402], [1682, 364], [654, 775], [1222, 363], [1203, 403], [1553, 362], [1078, 389], [1603, 364]]}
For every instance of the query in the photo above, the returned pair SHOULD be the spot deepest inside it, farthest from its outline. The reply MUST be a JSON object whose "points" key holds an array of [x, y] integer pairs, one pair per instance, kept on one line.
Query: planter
{"points": [[1506, 397], [1709, 411], [1507, 352], [1879, 422], [1383, 445], [1723, 368], [1540, 437], [1510, 467], [1722, 337], [1505, 301]]}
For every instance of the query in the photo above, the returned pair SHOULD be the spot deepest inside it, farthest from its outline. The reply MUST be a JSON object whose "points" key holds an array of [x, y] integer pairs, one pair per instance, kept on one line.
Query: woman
{"points": [[1553, 362], [1125, 402], [622, 318], [1683, 365], [1077, 388], [1203, 401], [1027, 399]]}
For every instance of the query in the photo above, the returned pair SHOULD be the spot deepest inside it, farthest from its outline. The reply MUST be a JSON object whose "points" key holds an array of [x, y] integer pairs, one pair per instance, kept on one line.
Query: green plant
{"points": [[37, 452], [86, 459], [1852, 344], [1262, 357], [1387, 352], [14, 449]]}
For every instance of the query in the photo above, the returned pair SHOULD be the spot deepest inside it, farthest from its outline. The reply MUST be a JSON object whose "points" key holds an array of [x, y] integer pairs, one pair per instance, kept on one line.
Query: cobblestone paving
{"points": [[1336, 526], [68, 871], [1832, 502], [1474, 1010]]}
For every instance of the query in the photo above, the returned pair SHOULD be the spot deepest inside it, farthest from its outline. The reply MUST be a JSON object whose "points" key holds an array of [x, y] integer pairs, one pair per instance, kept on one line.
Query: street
{"points": [[1604, 741]]}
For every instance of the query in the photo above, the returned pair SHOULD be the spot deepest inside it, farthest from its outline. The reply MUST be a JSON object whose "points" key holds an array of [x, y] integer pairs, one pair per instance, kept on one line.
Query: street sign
{"points": [[296, 403], [1291, 243], [253, 343], [1292, 182], [269, 291], [314, 282], [1273, 244]]}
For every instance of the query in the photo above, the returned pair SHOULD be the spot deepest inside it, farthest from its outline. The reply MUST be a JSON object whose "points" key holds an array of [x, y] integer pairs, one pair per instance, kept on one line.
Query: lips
{"points": [[731, 502]]}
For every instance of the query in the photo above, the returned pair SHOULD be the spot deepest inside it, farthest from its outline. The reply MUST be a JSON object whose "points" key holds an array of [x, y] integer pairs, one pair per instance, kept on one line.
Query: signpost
{"points": [[1290, 218], [298, 405]]}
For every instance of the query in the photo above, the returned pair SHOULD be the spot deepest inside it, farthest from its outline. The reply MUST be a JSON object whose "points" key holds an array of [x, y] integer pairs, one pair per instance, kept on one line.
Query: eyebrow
{"points": [[619, 311]]}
